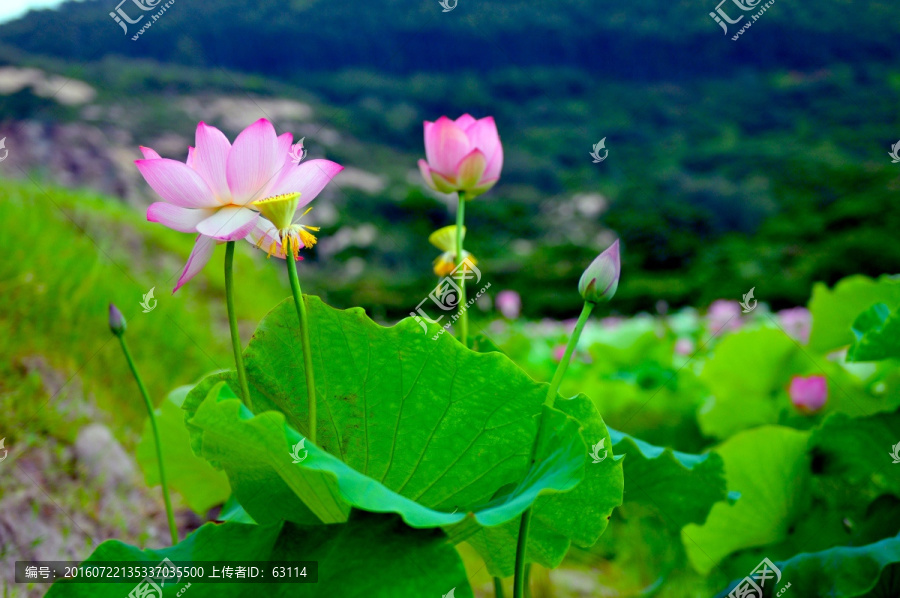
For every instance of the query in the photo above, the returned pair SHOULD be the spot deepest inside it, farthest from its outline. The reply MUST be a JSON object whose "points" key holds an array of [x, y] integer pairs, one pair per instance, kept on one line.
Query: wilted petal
{"points": [[445, 146], [308, 178], [229, 223], [252, 161], [209, 160], [201, 253], [184, 220], [177, 183]]}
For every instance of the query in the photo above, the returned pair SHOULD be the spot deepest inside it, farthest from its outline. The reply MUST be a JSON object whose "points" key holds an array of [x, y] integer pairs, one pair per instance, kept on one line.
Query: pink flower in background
{"points": [[211, 193], [808, 394], [559, 351], [462, 155], [797, 322], [509, 303], [684, 346], [724, 314]]}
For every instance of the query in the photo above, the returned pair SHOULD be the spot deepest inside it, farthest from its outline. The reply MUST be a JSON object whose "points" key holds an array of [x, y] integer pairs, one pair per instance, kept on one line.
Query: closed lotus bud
{"points": [[601, 279], [116, 320], [808, 394]]}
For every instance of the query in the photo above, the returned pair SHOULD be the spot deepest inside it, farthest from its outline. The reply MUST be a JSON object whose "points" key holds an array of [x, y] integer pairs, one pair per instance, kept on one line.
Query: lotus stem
{"points": [[463, 312], [232, 323], [498, 587], [173, 530], [521, 579], [300, 304]]}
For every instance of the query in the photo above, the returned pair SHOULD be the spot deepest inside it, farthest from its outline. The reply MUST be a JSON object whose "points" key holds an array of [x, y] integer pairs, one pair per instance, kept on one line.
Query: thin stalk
{"points": [[300, 304], [498, 587], [521, 579], [463, 312], [232, 323], [162, 469]]}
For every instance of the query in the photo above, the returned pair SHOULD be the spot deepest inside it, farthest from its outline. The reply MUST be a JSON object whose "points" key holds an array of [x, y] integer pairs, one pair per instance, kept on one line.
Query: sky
{"points": [[11, 9]]}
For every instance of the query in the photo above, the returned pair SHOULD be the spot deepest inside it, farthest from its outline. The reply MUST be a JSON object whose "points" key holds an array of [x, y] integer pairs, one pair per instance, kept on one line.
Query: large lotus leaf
{"points": [[770, 468], [680, 487], [858, 452], [877, 333], [870, 571], [371, 556], [201, 485], [407, 424], [558, 520], [834, 310], [745, 376]]}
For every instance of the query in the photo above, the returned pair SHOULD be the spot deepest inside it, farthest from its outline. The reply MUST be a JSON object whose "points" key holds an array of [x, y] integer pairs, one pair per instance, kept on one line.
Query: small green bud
{"points": [[601, 279], [116, 320]]}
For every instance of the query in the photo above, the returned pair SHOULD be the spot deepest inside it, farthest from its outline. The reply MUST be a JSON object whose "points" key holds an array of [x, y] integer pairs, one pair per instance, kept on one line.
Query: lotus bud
{"points": [[116, 320], [601, 279], [808, 394]]}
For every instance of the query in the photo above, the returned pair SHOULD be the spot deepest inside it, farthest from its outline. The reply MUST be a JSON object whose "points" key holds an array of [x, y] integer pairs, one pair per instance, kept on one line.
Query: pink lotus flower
{"points": [[797, 323], [509, 303], [808, 394], [724, 314], [462, 155], [211, 193]]}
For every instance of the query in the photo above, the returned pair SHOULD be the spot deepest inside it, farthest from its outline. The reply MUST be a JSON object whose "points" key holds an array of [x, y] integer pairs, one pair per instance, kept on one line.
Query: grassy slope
{"points": [[67, 254]]}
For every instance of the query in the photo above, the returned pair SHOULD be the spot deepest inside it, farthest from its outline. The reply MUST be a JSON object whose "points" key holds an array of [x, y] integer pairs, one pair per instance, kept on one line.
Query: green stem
{"points": [[232, 323], [521, 580], [300, 304], [463, 312], [498, 587], [162, 469], [570, 348]]}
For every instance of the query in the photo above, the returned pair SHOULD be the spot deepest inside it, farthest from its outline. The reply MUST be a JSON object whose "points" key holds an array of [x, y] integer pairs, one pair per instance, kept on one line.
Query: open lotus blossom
{"points": [[808, 394], [445, 240], [212, 193], [462, 155]]}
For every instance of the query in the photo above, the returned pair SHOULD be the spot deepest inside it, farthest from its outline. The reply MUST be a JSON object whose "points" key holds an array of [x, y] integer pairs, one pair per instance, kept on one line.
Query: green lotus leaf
{"points": [[869, 571], [769, 466], [370, 556], [201, 485], [577, 517], [877, 333], [834, 310], [680, 487], [424, 428]]}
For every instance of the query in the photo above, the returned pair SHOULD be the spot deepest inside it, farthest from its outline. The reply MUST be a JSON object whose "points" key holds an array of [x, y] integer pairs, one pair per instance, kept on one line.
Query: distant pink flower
{"points": [[462, 155], [724, 314], [509, 303], [211, 193], [559, 351], [684, 346], [808, 394], [797, 322]]}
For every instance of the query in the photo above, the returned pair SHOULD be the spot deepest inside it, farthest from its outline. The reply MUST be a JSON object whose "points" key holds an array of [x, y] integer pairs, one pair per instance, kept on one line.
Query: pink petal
{"points": [[177, 183], [229, 223], [252, 162], [209, 160], [464, 121], [283, 147], [494, 165], [263, 236], [445, 145], [190, 157], [426, 174], [201, 253], [184, 220], [483, 135], [309, 178], [149, 154], [470, 169]]}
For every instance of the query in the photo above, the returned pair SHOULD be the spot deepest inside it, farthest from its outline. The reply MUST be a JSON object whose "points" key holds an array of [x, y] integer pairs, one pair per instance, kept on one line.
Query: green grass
{"points": [[66, 255]]}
